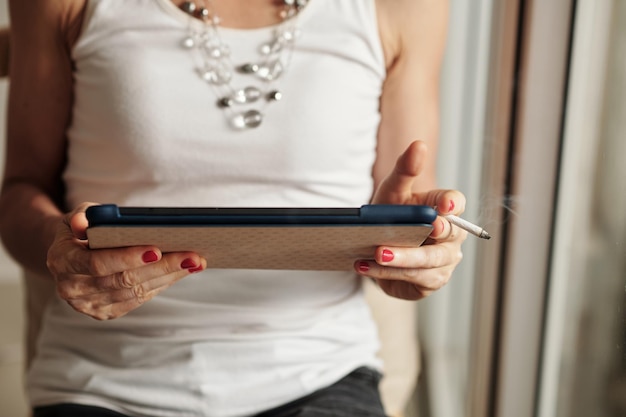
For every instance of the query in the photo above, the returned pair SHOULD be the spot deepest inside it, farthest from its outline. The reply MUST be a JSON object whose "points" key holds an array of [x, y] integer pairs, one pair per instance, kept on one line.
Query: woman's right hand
{"points": [[108, 283]]}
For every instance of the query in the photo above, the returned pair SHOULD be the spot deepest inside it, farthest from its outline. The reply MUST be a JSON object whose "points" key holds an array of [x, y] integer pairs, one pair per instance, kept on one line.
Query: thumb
{"points": [[397, 187], [77, 221]]}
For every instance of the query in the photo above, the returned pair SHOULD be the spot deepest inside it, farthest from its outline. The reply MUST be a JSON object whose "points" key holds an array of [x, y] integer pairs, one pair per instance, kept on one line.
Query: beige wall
{"points": [[12, 401]]}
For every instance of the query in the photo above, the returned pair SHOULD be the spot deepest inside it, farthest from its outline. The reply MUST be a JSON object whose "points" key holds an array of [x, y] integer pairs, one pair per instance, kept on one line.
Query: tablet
{"points": [[263, 238]]}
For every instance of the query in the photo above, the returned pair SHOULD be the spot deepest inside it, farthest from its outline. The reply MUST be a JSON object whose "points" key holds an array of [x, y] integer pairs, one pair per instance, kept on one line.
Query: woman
{"points": [[217, 103]]}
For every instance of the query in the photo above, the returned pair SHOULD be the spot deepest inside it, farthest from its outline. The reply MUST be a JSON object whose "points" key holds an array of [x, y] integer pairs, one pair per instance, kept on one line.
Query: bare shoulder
{"points": [[405, 25], [53, 20], [41, 94]]}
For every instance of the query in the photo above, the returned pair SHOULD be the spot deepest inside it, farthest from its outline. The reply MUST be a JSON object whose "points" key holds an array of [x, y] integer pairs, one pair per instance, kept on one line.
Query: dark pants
{"points": [[356, 395]]}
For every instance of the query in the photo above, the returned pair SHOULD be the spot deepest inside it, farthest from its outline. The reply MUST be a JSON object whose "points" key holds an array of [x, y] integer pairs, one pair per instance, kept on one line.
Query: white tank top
{"points": [[146, 131]]}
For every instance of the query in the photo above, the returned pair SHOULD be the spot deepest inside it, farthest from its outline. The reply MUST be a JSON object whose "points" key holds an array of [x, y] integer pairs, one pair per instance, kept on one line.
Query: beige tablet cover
{"points": [[266, 247]]}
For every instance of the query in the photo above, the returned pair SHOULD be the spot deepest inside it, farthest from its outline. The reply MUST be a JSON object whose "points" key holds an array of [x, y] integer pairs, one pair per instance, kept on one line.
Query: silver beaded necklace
{"points": [[244, 106]]}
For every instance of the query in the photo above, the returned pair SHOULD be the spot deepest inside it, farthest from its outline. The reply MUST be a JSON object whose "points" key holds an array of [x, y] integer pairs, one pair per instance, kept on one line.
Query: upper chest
{"points": [[245, 14]]}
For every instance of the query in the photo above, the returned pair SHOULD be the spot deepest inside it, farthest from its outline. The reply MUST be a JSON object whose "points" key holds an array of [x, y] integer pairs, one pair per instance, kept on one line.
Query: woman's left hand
{"points": [[414, 273]]}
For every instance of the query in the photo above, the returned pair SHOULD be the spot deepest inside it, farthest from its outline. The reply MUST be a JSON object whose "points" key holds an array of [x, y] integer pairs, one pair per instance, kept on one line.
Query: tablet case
{"points": [[288, 246]]}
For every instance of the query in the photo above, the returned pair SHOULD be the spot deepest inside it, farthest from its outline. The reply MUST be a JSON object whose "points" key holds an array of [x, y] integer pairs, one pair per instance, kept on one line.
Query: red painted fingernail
{"points": [[150, 256], [198, 269], [363, 266], [188, 263], [387, 255], [451, 206]]}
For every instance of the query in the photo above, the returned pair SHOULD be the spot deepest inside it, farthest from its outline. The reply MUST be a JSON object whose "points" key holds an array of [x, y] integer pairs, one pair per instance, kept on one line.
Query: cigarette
{"points": [[467, 226]]}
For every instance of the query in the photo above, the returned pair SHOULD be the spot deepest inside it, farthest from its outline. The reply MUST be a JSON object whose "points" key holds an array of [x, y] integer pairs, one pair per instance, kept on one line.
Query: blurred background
{"points": [[533, 121], [12, 354]]}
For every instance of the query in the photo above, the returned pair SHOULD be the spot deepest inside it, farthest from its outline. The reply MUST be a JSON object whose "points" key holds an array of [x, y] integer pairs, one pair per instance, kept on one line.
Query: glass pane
{"points": [[590, 369]]}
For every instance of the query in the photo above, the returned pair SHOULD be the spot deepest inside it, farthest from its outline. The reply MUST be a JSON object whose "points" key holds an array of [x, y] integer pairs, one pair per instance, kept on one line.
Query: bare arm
{"points": [[40, 100], [103, 284], [413, 34]]}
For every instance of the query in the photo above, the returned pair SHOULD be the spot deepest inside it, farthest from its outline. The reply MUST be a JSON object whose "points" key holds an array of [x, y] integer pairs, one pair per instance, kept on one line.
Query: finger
{"points": [[443, 230], [116, 303], [69, 257], [397, 188], [124, 307], [182, 263], [77, 220], [64, 233], [69, 239], [424, 257], [99, 311], [175, 262], [446, 201], [140, 293], [425, 279]]}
